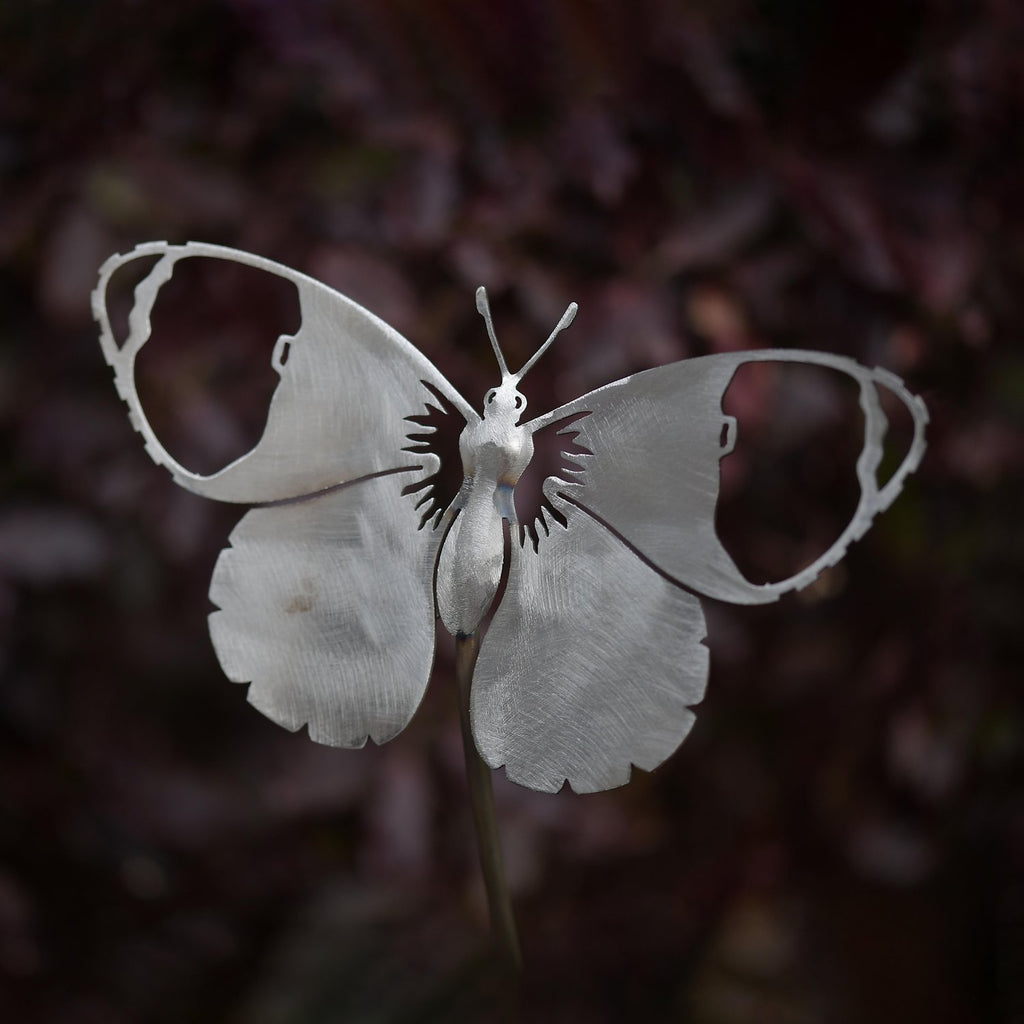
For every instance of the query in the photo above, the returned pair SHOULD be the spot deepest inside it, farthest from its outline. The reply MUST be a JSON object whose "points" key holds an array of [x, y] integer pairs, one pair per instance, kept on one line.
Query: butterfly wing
{"points": [[657, 438], [590, 664], [326, 606], [325, 597], [618, 638], [348, 383]]}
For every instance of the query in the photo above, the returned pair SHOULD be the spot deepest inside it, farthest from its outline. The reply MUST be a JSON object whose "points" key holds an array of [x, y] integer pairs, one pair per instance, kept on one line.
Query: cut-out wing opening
{"points": [[207, 375], [348, 382], [789, 486], [119, 299]]}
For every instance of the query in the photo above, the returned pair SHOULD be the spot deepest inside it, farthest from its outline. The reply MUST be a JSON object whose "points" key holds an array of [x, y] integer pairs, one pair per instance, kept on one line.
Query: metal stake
{"points": [[481, 792]]}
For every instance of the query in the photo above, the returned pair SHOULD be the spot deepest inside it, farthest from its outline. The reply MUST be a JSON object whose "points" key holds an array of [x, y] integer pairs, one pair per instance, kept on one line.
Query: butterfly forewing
{"points": [[348, 384], [657, 438]]}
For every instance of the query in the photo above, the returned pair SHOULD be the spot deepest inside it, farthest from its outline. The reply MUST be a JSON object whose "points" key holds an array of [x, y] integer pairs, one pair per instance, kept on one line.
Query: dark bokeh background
{"points": [[842, 836]]}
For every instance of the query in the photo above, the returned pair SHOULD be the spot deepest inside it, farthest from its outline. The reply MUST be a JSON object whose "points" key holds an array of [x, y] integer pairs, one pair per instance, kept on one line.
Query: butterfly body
{"points": [[328, 594], [495, 451]]}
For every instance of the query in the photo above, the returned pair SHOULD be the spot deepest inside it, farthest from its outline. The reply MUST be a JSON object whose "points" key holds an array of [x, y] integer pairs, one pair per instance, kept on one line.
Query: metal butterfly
{"points": [[328, 596]]}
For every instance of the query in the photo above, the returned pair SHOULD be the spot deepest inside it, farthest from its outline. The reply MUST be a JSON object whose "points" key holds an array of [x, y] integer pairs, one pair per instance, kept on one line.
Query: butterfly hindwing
{"points": [[326, 606], [590, 664]]}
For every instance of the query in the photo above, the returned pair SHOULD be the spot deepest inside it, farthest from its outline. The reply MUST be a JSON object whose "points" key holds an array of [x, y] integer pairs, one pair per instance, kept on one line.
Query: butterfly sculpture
{"points": [[328, 596]]}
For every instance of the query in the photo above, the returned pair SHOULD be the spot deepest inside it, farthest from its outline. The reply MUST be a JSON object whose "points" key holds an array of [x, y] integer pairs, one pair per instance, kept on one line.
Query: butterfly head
{"points": [[507, 398]]}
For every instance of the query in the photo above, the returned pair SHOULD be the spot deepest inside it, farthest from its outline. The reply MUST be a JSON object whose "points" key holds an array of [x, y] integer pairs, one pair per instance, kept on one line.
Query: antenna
{"points": [[485, 311], [567, 318]]}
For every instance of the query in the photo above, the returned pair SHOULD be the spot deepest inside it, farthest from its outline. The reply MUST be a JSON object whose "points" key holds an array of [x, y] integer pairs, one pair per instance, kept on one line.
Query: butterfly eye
{"points": [[490, 396], [519, 401]]}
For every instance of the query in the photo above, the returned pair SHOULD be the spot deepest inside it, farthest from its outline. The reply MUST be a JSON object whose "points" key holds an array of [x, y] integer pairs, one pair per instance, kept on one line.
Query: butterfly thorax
{"points": [[495, 451]]}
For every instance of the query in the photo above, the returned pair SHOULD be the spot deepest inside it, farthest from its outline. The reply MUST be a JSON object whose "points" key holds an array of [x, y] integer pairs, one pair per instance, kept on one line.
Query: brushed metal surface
{"points": [[590, 665], [326, 606], [337, 414], [327, 596], [656, 440]]}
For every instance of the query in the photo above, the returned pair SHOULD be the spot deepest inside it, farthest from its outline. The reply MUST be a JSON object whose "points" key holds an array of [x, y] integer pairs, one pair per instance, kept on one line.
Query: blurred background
{"points": [[841, 838]]}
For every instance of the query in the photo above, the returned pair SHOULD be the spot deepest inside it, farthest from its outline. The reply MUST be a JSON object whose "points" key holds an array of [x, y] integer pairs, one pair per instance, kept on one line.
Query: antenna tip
{"points": [[481, 299], [568, 316]]}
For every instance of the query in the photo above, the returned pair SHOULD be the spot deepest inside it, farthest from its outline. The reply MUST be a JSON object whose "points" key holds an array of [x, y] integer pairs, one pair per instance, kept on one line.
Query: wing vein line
{"points": [[334, 488], [600, 520]]}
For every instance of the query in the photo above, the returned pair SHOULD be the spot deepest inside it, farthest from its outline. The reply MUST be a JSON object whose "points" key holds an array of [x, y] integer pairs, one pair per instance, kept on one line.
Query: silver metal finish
{"points": [[594, 655], [495, 451], [590, 664], [657, 438], [347, 382], [326, 606]]}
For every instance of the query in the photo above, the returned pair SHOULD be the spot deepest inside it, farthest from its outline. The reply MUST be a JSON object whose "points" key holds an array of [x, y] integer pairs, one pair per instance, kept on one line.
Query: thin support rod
{"points": [[481, 793]]}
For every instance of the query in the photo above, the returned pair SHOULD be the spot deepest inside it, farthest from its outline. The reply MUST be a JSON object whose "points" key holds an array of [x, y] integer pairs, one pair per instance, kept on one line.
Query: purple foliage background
{"points": [[842, 836]]}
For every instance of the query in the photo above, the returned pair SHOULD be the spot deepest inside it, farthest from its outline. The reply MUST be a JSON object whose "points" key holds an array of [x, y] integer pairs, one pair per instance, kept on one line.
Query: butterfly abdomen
{"points": [[469, 568], [494, 454]]}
